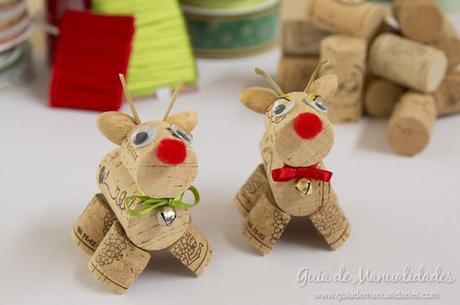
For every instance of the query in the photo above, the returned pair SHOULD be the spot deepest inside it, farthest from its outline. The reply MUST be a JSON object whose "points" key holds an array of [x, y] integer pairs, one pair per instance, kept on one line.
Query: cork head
{"points": [[303, 135], [297, 122], [157, 154]]}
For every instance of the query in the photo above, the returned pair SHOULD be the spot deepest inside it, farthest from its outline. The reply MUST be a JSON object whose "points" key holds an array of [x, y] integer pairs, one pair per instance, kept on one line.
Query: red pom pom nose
{"points": [[171, 151], [307, 125]]}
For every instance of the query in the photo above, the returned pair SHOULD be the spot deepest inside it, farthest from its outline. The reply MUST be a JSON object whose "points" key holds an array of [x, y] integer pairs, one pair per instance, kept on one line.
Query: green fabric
{"points": [[161, 54], [147, 204]]}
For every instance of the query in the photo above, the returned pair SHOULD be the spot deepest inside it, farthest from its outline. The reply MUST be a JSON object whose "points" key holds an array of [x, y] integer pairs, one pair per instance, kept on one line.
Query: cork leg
{"points": [[264, 225], [249, 193], [93, 224], [192, 250], [331, 223], [117, 262]]}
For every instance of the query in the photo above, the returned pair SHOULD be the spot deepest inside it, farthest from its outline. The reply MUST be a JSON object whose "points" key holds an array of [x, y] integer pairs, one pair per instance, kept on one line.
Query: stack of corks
{"points": [[405, 73], [416, 79], [339, 31]]}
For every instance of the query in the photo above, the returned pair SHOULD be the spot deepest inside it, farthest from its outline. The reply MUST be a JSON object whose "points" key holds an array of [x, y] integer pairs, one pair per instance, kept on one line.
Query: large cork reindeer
{"points": [[292, 180], [141, 207]]}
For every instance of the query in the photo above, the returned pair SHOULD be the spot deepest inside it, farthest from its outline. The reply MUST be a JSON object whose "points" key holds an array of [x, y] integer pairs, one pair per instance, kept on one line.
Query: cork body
{"points": [[347, 57], [381, 97], [408, 63], [285, 195], [116, 184], [447, 97], [361, 19], [141, 206], [292, 180], [293, 70], [411, 123]]}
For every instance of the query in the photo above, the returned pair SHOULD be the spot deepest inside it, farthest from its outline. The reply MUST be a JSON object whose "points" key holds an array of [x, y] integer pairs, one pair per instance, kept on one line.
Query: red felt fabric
{"points": [[55, 9], [171, 151], [308, 125], [91, 51]]}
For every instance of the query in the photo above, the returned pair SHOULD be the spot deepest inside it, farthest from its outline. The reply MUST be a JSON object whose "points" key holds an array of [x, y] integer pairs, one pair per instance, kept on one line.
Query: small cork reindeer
{"points": [[141, 207], [292, 180]]}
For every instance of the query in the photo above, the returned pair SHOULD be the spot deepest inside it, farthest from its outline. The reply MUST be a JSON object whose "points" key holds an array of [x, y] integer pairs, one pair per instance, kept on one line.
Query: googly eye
{"points": [[317, 104], [281, 107], [143, 136], [181, 134]]}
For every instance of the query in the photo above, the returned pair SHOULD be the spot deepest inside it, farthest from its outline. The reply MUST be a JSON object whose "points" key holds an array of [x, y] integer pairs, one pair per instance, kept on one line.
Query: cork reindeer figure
{"points": [[292, 180], [141, 207]]}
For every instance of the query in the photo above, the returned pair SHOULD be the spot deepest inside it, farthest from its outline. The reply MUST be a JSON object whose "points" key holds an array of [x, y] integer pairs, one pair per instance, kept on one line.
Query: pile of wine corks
{"points": [[403, 70]]}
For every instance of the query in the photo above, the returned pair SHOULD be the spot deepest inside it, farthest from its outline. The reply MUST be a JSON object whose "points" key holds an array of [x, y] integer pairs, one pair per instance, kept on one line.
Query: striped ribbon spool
{"points": [[15, 66], [161, 54], [222, 29], [15, 25]]}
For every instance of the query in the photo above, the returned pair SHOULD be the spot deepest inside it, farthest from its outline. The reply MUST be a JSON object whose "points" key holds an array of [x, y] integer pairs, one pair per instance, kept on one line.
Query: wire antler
{"points": [[315, 73], [137, 119], [269, 80], [173, 100]]}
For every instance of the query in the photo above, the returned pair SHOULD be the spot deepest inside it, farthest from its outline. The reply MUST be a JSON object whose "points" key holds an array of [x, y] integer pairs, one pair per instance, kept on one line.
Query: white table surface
{"points": [[403, 211]]}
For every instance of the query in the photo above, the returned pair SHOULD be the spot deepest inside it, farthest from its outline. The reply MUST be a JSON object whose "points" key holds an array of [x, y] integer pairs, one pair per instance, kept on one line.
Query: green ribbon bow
{"points": [[148, 204]]}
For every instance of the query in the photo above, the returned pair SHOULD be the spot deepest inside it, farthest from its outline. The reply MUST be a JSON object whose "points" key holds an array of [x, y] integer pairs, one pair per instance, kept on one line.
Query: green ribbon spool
{"points": [[233, 31], [218, 4], [148, 204], [448, 5]]}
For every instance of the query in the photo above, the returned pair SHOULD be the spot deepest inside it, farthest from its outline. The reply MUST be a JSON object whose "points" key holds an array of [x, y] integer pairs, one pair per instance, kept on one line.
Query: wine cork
{"points": [[347, 58], [407, 63], [411, 123], [117, 262], [264, 225], [389, 25], [294, 72], [425, 21], [361, 19], [298, 35], [193, 251], [447, 97], [256, 185], [352, 1], [450, 44], [93, 224], [381, 97], [420, 20], [331, 223]]}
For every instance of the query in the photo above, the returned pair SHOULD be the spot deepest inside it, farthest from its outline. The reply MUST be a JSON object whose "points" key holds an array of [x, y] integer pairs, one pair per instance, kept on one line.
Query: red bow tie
{"points": [[287, 173]]}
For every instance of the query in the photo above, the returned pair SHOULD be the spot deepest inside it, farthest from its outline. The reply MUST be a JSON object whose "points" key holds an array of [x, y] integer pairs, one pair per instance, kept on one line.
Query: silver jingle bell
{"points": [[166, 216]]}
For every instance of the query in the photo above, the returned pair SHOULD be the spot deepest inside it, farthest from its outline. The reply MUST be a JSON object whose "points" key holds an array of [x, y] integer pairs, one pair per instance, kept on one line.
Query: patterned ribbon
{"points": [[287, 173], [148, 204]]}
